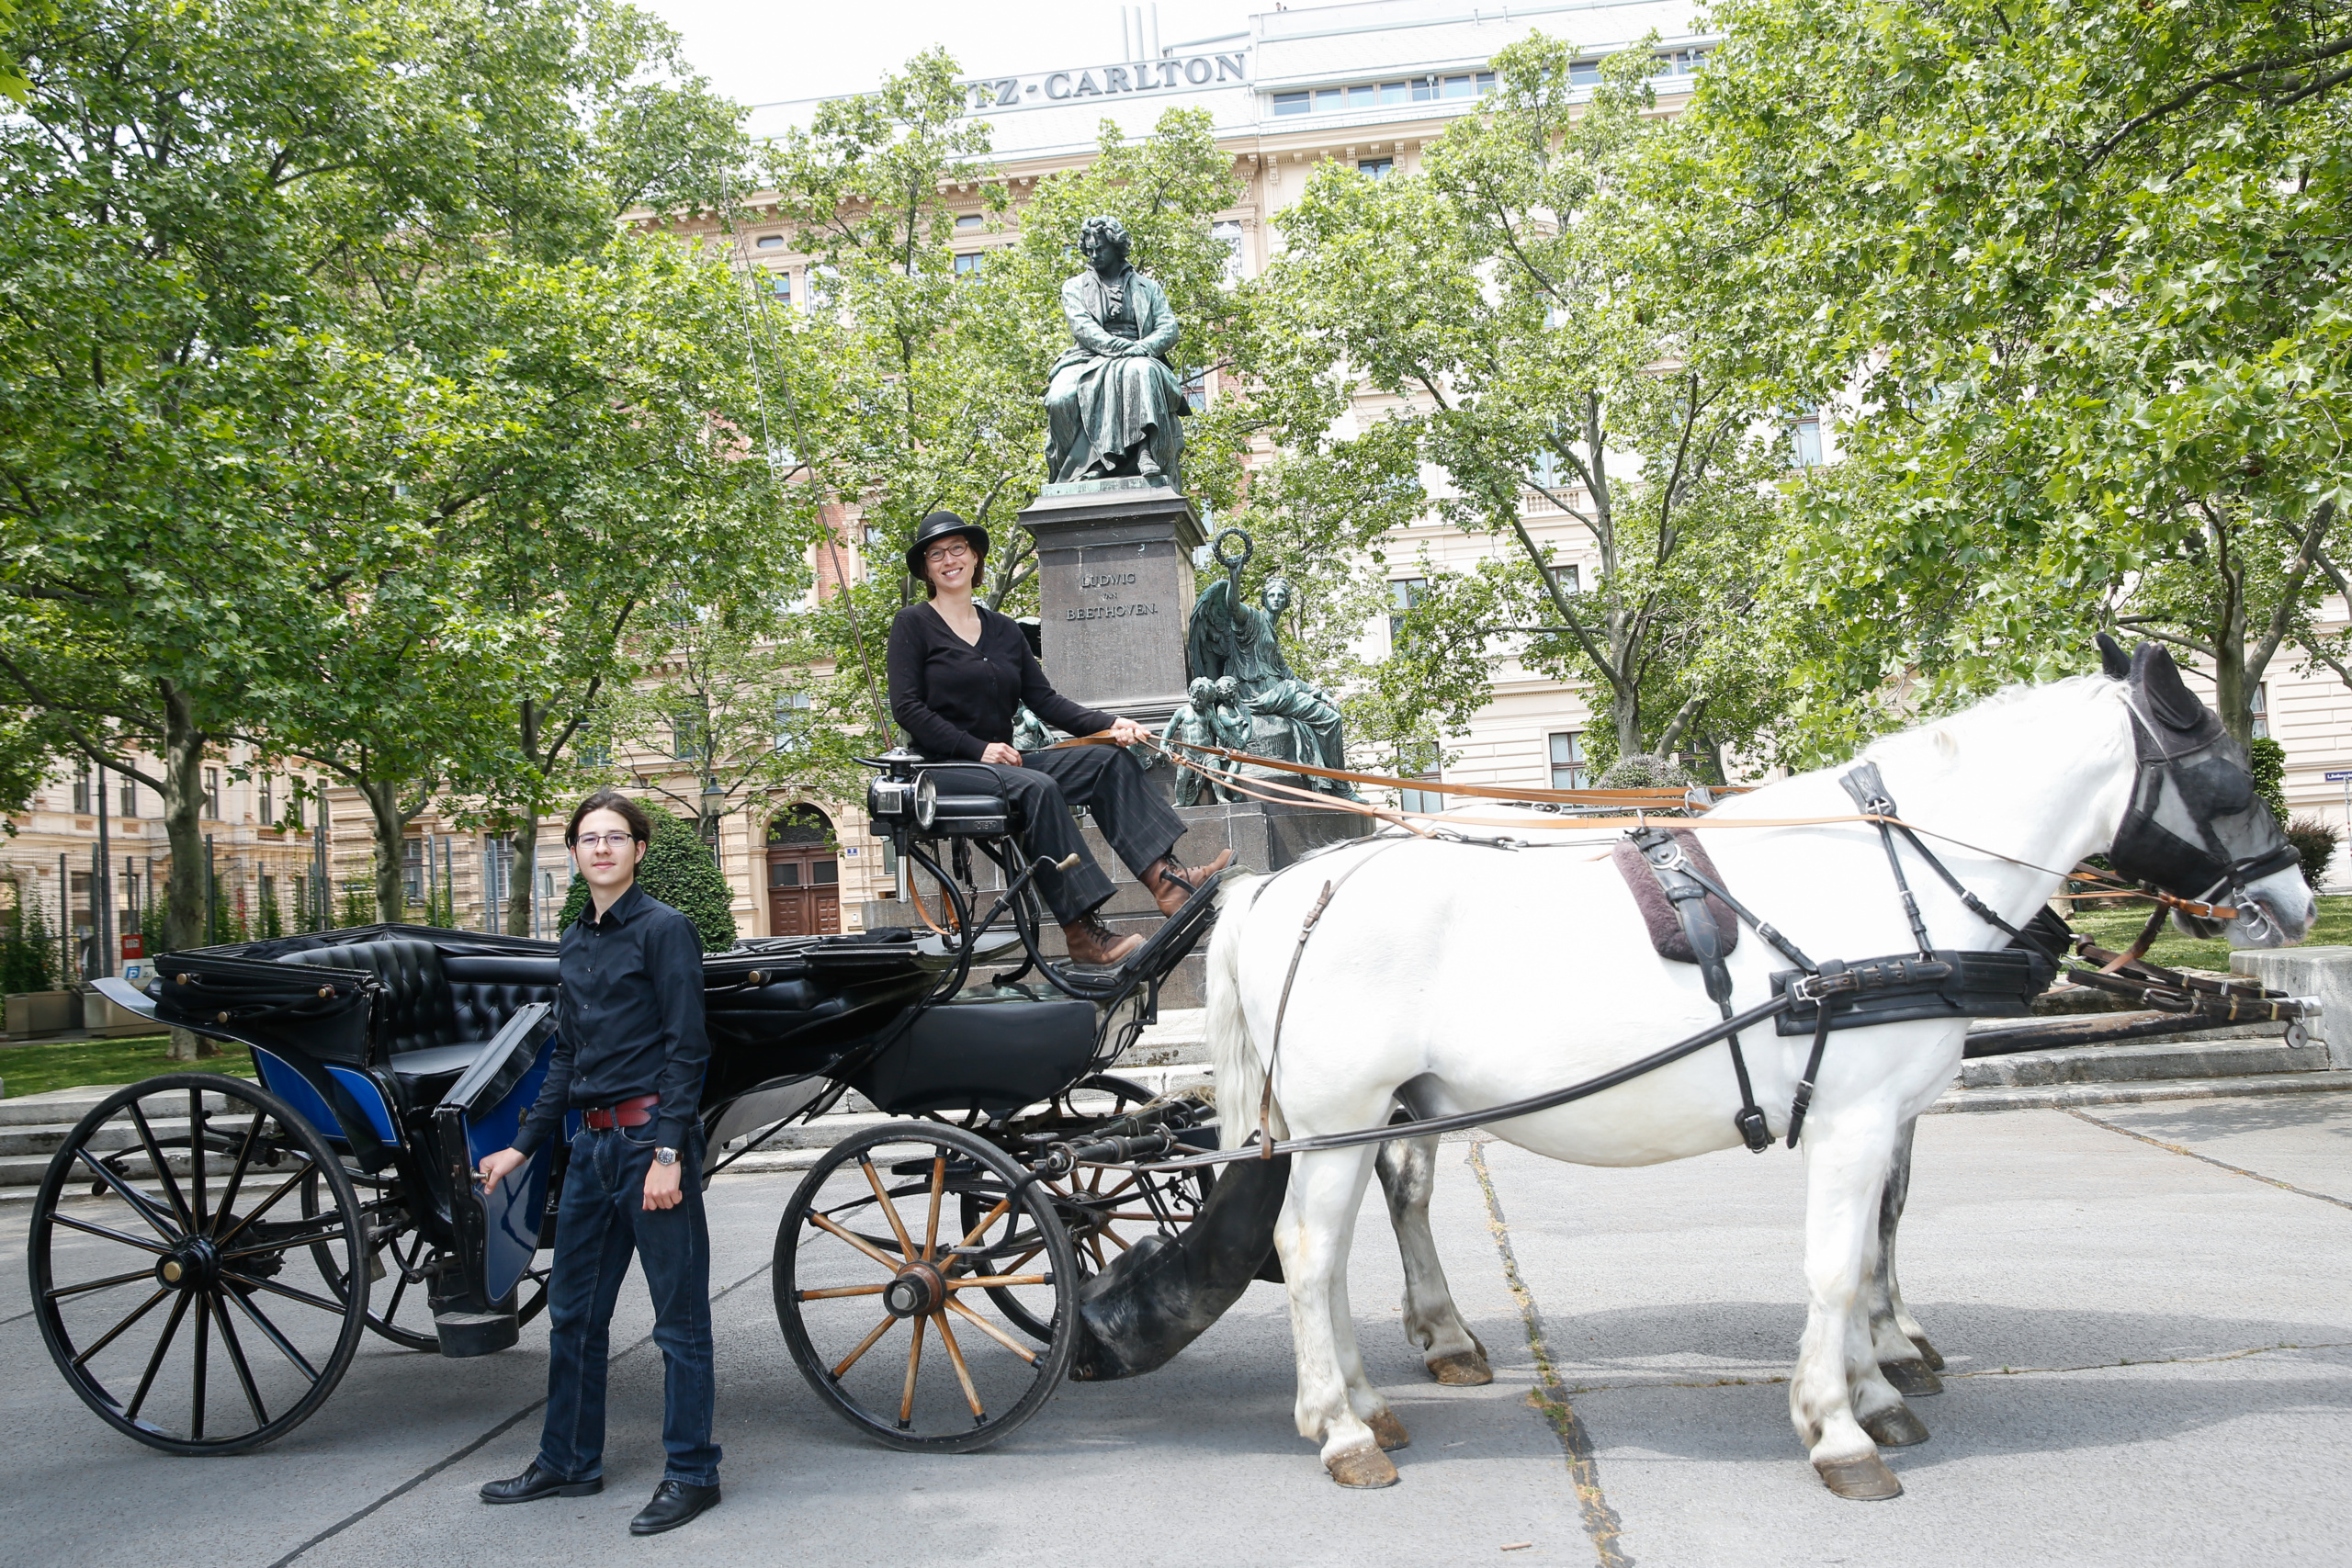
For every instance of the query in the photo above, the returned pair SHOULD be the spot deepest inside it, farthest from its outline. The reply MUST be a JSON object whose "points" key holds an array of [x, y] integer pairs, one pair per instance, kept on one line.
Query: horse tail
{"points": [[1240, 1073]]}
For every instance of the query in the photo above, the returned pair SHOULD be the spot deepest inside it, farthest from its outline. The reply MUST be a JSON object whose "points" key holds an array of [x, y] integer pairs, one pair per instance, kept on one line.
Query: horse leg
{"points": [[1898, 1342], [1407, 1170], [1311, 1238], [1836, 1394], [1362, 1398]]}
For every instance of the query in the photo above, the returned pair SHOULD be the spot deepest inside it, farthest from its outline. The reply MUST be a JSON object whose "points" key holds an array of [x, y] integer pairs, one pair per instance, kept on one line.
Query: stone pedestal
{"points": [[1115, 592], [2324, 973]]}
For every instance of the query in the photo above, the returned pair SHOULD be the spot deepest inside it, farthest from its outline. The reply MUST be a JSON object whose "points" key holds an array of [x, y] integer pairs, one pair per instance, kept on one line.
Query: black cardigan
{"points": [[953, 698]]}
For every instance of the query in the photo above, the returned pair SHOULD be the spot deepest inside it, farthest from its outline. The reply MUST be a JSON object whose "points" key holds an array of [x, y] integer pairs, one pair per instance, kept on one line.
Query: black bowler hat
{"points": [[937, 526]]}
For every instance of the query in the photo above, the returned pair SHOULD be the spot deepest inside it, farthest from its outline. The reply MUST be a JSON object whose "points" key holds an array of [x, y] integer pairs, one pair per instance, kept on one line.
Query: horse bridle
{"points": [[2187, 780]]}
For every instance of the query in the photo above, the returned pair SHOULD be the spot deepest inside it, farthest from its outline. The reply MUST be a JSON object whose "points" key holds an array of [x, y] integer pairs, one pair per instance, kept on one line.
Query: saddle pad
{"points": [[1658, 910]]}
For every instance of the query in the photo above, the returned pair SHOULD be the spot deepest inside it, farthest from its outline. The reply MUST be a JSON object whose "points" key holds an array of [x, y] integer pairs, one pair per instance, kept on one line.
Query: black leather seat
{"points": [[418, 1033]]}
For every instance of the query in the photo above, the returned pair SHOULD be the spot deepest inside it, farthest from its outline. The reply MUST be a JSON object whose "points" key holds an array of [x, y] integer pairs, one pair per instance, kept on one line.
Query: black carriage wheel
{"points": [[1106, 1212], [161, 1227], [406, 1316], [880, 1294]]}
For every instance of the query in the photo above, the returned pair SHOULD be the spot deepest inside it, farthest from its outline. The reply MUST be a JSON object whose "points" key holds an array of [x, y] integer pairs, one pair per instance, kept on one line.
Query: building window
{"points": [[791, 720], [1422, 802], [2261, 710], [294, 804], [1228, 234], [770, 242], [413, 869], [967, 262], [1378, 168], [780, 288], [687, 729], [1396, 92], [1369, 95], [213, 792], [129, 806], [1805, 442], [268, 801], [1584, 72], [1293, 103], [82, 791], [1568, 771], [1568, 579], [821, 279], [1680, 62], [970, 222], [1403, 594]]}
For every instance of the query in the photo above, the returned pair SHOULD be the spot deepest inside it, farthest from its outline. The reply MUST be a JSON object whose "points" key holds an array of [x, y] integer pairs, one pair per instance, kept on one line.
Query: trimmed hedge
{"points": [[2266, 761], [677, 870], [2317, 842]]}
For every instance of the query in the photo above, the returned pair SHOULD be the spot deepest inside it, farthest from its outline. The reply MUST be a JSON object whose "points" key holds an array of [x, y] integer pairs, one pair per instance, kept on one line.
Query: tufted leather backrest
{"points": [[416, 1011], [489, 988]]}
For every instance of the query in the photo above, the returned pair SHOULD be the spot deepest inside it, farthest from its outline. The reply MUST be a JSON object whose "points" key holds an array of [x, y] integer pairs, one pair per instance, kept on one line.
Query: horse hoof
{"points": [[1927, 1353], [1463, 1368], [1912, 1379], [1895, 1427], [1862, 1480], [1366, 1468], [1389, 1432]]}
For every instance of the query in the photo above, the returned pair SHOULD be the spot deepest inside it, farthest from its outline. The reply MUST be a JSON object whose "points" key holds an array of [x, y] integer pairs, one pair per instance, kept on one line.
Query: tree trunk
{"points": [[526, 872], [183, 762], [384, 810], [2232, 696]]}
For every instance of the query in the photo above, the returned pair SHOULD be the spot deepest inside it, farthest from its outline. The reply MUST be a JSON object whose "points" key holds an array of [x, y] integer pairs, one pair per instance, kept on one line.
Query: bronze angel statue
{"points": [[1232, 640]]}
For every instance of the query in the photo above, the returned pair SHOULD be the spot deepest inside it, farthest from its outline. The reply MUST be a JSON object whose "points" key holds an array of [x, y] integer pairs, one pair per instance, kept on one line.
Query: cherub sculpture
{"points": [[1202, 721], [1029, 731]]}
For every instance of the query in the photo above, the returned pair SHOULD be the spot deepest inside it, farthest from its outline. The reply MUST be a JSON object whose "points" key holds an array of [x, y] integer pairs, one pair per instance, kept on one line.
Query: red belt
{"points": [[628, 1113]]}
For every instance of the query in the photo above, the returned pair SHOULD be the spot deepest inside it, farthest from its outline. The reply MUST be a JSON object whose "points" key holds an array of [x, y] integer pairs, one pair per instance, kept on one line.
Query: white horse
{"points": [[1447, 978]]}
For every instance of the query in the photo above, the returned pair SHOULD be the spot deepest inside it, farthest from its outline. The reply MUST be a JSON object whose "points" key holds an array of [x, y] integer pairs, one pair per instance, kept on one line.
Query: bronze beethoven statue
{"points": [[1112, 404]]}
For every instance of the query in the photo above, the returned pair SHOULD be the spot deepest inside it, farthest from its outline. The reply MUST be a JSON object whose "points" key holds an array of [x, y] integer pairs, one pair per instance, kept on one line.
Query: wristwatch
{"points": [[665, 1157]]}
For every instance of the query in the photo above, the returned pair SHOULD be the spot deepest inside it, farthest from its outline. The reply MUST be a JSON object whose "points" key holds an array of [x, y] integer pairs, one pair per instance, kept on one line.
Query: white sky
{"points": [[761, 53]]}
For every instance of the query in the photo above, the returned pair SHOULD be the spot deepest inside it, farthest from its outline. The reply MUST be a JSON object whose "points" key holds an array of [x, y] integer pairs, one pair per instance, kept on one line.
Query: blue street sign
{"points": [[2339, 775]]}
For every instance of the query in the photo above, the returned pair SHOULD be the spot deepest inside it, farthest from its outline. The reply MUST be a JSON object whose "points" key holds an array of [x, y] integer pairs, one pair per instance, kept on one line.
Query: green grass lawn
{"points": [[2115, 926], [36, 1069]]}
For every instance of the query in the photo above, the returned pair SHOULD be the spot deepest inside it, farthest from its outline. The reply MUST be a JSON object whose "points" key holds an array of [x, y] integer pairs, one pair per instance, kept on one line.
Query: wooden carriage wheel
{"points": [[168, 1271], [888, 1300], [1106, 1211]]}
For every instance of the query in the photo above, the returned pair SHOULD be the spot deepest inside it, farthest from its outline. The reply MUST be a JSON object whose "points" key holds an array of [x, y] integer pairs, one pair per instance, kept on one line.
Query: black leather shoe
{"points": [[538, 1482], [674, 1503]]}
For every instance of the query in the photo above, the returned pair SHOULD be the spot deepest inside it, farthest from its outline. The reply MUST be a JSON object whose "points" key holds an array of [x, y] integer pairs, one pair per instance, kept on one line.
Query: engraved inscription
{"points": [[1107, 579], [1110, 612]]}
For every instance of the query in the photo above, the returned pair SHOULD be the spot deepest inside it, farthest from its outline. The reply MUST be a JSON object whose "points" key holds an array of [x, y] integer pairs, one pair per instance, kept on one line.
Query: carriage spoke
{"points": [[876, 1253], [839, 1290], [993, 1331], [163, 1176], [141, 1310], [1003, 1204], [914, 1360], [201, 1365], [230, 1343], [261, 1321], [998, 1281], [274, 1288], [69, 1223], [237, 1171], [890, 1209], [140, 1202], [155, 1361], [111, 1280], [938, 1191], [267, 1203], [195, 1160], [392, 1309], [862, 1347], [962, 1374], [1107, 1233]]}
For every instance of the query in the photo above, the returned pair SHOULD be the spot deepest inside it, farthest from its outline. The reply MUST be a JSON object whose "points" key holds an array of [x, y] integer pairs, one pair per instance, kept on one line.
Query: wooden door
{"points": [[803, 877]]}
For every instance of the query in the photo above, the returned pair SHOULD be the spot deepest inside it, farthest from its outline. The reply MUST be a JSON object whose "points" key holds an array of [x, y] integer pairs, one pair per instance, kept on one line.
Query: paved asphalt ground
{"points": [[2151, 1363]]}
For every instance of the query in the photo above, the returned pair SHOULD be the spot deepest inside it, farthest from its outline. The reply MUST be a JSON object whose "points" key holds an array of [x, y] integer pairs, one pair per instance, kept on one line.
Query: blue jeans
{"points": [[601, 1220]]}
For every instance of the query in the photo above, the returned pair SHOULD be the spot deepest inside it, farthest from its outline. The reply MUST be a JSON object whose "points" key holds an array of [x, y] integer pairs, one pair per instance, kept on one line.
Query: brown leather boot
{"points": [[1093, 943], [1171, 884]]}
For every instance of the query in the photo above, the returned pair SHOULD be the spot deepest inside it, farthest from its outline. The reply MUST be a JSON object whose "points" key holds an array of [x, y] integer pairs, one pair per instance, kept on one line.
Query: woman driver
{"points": [[957, 671]]}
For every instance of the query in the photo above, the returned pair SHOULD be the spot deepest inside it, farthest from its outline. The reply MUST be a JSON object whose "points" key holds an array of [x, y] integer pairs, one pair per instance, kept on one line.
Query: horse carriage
{"points": [[207, 1252]]}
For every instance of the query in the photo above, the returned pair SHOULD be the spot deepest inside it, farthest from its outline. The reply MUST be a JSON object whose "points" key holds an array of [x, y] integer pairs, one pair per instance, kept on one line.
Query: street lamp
{"points": [[714, 805]]}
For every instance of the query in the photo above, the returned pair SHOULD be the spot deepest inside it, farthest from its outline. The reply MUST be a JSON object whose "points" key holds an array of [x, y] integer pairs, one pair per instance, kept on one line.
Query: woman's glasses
{"points": [[940, 554], [592, 841]]}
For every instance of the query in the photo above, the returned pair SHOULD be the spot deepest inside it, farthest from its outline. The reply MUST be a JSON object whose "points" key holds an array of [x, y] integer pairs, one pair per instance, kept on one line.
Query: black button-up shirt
{"points": [[629, 1022]]}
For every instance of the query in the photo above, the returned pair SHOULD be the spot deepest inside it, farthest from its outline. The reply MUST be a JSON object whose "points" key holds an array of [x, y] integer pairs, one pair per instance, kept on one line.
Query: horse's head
{"points": [[2195, 827]]}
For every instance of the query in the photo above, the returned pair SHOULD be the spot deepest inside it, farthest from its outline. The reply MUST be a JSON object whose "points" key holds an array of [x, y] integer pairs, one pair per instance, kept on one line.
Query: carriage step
{"points": [[2146, 1060]]}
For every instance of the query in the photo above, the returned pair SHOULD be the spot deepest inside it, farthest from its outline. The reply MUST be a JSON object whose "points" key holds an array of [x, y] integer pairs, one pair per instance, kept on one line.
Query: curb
{"points": [[2144, 1091]]}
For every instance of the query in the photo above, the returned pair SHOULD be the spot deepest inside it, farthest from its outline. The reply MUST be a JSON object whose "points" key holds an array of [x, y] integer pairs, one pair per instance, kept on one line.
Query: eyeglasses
{"points": [[592, 841], [954, 550]]}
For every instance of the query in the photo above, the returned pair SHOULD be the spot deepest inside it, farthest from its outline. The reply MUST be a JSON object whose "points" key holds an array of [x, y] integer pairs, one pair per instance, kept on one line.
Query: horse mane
{"points": [[1939, 742]]}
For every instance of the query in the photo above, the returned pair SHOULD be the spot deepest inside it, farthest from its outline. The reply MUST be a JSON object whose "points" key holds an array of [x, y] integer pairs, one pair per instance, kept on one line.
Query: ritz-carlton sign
{"points": [[1135, 76]]}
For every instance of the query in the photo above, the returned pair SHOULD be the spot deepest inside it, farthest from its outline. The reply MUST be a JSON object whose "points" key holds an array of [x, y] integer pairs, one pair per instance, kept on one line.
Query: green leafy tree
{"points": [[2079, 268], [1519, 306], [678, 871]]}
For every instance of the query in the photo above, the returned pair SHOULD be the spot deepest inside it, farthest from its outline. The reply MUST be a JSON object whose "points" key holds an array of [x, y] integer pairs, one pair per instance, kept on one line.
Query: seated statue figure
{"points": [[1112, 403], [1234, 641]]}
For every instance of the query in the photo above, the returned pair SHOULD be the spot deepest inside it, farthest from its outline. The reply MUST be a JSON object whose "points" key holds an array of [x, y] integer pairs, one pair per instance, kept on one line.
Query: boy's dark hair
{"points": [[640, 826]]}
